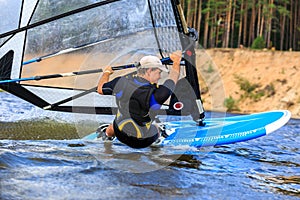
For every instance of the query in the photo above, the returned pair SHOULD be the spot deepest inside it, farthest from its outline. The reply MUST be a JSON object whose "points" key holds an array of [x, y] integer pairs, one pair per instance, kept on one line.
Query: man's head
{"points": [[151, 68], [152, 62]]}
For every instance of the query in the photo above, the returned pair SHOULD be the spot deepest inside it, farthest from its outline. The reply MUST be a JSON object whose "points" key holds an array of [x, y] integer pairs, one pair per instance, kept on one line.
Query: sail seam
{"points": [[154, 28]]}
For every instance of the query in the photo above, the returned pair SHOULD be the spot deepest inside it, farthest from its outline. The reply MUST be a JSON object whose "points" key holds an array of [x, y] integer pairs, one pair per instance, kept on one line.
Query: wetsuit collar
{"points": [[140, 81]]}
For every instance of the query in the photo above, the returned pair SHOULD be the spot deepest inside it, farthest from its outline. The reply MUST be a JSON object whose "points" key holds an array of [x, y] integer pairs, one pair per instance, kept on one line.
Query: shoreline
{"points": [[272, 76]]}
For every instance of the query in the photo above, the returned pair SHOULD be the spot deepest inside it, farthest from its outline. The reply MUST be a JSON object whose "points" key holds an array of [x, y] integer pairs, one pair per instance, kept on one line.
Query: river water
{"points": [[41, 157]]}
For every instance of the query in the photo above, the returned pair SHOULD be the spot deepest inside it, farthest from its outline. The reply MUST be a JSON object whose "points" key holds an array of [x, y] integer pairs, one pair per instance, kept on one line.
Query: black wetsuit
{"points": [[136, 97]]}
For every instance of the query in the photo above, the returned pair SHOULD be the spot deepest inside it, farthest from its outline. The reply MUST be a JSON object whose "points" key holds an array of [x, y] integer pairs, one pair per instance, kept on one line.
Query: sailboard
{"points": [[217, 131]]}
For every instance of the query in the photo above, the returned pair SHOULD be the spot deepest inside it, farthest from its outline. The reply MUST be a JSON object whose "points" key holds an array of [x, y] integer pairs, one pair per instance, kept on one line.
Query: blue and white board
{"points": [[219, 131]]}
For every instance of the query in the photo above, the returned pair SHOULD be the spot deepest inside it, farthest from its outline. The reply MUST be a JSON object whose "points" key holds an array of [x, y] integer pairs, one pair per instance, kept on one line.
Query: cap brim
{"points": [[163, 68]]}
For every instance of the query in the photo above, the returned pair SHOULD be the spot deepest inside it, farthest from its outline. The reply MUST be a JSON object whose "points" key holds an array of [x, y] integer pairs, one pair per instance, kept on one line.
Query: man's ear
{"points": [[149, 70]]}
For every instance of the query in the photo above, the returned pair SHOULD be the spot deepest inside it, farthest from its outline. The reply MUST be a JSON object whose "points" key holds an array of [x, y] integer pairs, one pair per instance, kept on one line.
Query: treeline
{"points": [[235, 23]]}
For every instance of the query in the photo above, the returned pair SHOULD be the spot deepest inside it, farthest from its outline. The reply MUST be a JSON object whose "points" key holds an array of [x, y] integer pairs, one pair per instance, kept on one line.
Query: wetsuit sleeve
{"points": [[108, 87], [162, 93], [170, 84]]}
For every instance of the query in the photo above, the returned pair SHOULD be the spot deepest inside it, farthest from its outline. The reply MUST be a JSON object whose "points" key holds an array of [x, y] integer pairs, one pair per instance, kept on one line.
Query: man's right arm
{"points": [[175, 70], [164, 91]]}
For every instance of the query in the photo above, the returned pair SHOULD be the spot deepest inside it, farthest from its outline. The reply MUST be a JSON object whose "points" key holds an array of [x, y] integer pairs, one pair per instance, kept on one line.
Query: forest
{"points": [[255, 24]]}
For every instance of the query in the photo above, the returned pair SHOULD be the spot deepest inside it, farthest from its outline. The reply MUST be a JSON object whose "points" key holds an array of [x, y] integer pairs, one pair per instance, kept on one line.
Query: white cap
{"points": [[152, 62]]}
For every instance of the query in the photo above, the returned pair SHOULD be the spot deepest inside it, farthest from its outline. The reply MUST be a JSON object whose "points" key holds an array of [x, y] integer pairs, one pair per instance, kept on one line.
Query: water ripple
{"points": [[264, 168]]}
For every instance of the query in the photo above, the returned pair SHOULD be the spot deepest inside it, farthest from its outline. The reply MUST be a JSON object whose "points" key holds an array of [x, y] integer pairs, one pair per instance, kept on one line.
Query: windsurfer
{"points": [[136, 96]]}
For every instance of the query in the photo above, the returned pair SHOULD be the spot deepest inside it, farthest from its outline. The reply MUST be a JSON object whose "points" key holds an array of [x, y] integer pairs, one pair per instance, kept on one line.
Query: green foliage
{"points": [[249, 89], [258, 43], [231, 104], [245, 85], [257, 95], [210, 68], [283, 11]]}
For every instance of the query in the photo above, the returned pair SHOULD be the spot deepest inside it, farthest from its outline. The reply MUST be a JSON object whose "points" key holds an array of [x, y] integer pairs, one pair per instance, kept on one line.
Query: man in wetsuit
{"points": [[136, 96]]}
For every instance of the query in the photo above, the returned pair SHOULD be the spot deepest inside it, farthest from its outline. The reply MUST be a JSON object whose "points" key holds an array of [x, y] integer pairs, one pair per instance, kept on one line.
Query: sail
{"points": [[42, 38]]}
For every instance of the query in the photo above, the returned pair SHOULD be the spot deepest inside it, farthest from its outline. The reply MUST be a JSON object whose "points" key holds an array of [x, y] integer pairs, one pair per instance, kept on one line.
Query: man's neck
{"points": [[144, 76]]}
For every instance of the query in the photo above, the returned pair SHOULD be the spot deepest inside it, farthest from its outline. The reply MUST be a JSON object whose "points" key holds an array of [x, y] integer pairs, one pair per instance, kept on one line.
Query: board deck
{"points": [[219, 131]]}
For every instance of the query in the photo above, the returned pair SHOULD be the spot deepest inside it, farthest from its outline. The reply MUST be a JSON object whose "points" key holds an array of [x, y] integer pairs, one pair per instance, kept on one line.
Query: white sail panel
{"points": [[28, 8], [54, 95], [16, 44]]}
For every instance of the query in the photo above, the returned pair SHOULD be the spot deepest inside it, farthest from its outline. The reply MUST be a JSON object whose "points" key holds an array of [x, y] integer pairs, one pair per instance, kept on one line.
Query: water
{"points": [[44, 166]]}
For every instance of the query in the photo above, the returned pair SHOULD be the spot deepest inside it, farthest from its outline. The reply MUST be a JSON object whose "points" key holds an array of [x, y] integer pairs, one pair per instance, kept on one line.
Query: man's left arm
{"points": [[162, 93]]}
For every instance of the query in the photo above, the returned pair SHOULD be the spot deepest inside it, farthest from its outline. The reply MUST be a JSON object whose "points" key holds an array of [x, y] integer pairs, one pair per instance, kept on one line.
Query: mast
{"points": [[188, 37]]}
